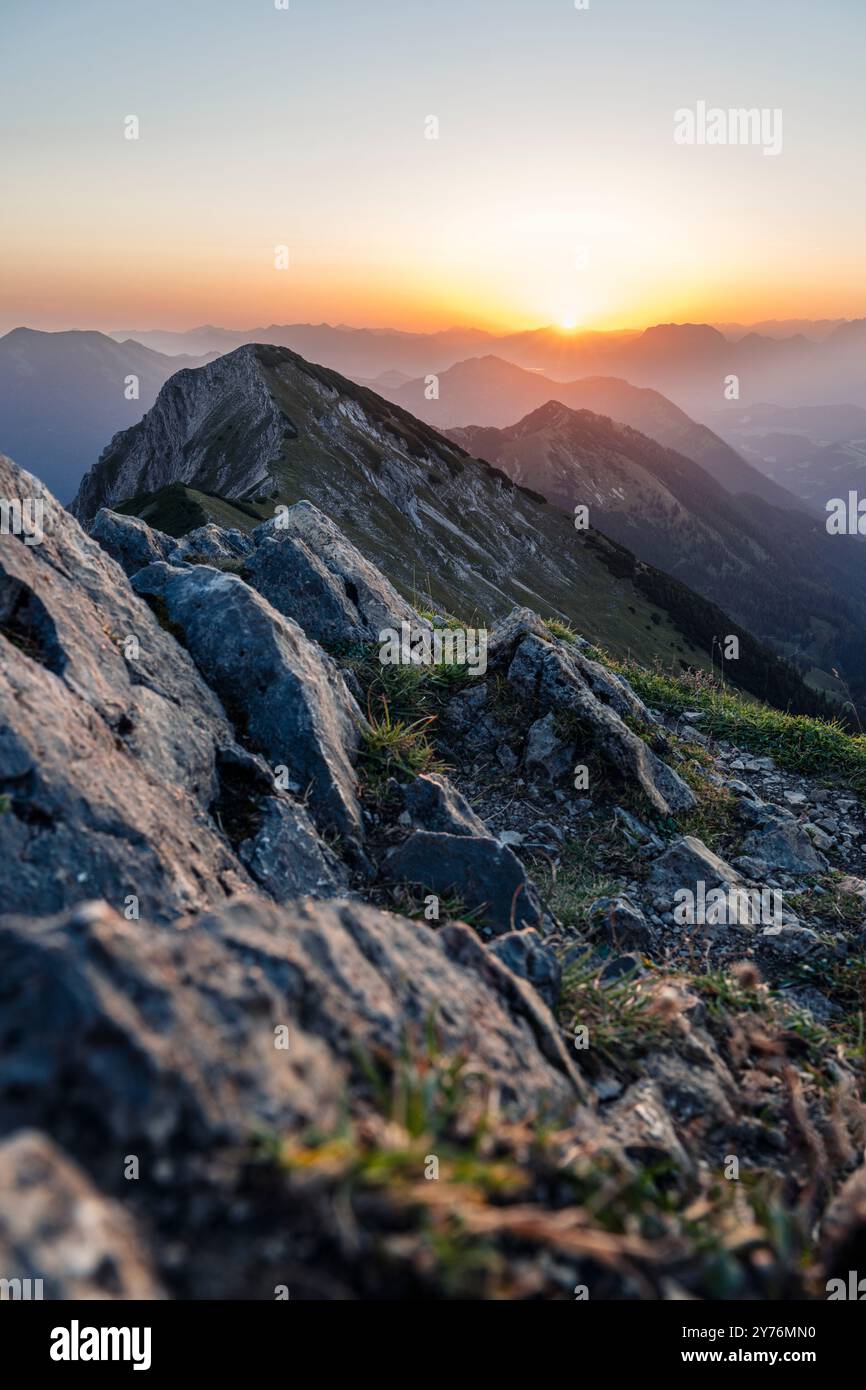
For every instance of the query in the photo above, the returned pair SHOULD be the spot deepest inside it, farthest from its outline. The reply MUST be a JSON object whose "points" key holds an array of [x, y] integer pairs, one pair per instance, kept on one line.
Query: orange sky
{"points": [[554, 193]]}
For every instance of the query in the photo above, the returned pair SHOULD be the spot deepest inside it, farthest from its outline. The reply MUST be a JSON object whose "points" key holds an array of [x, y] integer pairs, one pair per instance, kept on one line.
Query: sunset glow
{"points": [[257, 130]]}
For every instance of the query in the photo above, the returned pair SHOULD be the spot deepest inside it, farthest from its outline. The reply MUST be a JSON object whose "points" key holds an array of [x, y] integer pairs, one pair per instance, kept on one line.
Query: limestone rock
{"points": [[57, 1229], [486, 877], [284, 693], [129, 540], [542, 672]]}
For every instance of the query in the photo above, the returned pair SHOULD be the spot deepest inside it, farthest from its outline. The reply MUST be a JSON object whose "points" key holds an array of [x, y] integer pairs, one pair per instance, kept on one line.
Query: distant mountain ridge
{"points": [[776, 570], [261, 426], [687, 362], [490, 391], [62, 395]]}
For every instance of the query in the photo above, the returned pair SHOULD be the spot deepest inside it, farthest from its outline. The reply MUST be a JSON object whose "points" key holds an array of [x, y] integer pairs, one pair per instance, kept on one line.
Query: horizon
{"points": [[555, 194], [566, 332]]}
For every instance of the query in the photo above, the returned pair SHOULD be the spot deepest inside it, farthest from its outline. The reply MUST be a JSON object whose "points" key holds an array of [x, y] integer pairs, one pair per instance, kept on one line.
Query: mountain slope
{"points": [[261, 425], [777, 572], [63, 394], [490, 391], [282, 1024], [688, 363]]}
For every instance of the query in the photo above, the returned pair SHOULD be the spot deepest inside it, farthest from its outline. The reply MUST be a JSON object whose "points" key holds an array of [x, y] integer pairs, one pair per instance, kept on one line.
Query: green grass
{"points": [[622, 1021], [579, 880], [798, 743], [564, 631], [395, 748]]}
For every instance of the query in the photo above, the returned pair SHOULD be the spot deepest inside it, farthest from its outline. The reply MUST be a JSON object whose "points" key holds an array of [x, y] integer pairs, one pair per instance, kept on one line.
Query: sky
{"points": [[555, 192]]}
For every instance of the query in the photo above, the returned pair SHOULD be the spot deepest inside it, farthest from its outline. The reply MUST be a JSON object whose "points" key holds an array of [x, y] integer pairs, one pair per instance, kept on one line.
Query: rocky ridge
{"points": [[295, 924]]}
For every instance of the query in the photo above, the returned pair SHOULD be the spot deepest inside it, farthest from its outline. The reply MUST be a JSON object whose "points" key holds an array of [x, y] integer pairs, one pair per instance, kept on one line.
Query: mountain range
{"points": [[690, 363], [62, 395], [261, 427], [816, 451], [490, 391], [773, 568]]}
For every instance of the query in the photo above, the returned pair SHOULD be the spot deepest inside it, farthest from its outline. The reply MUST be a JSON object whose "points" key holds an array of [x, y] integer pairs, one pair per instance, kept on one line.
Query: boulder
{"points": [[285, 695], [287, 857], [297, 584], [547, 751], [213, 542], [526, 955], [434, 804], [640, 1123], [163, 1041], [310, 571], [621, 923], [487, 878], [129, 540], [784, 845], [684, 864], [108, 762], [544, 673]]}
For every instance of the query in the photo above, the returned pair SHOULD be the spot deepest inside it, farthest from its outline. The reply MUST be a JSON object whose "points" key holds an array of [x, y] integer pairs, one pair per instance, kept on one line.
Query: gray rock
{"points": [[640, 1123], [795, 798], [526, 955], [783, 844], [285, 694], [129, 540], [161, 1040], [308, 569], [544, 673], [819, 838], [212, 541], [546, 750], [434, 804], [787, 940], [636, 831], [109, 766], [758, 870], [180, 1045], [464, 710], [622, 924], [686, 862], [487, 878], [56, 1228], [287, 857], [296, 583], [512, 838], [508, 632], [741, 789]]}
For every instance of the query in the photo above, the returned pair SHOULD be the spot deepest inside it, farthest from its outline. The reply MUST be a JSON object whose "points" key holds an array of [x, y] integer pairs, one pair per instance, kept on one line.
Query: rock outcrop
{"points": [[109, 737], [228, 1068], [555, 680], [285, 694]]}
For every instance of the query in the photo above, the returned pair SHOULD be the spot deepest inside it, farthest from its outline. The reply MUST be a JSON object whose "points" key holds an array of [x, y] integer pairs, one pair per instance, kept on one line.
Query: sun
{"points": [[568, 324]]}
